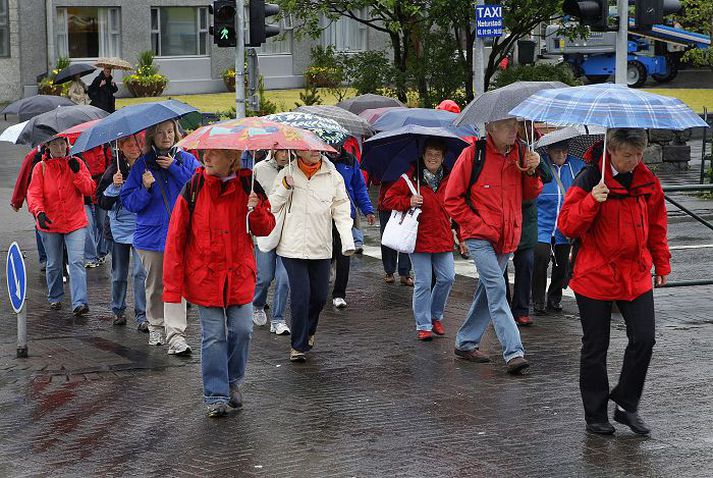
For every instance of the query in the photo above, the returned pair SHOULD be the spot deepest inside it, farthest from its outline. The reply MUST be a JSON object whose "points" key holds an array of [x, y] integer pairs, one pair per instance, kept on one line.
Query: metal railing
{"points": [[704, 144]]}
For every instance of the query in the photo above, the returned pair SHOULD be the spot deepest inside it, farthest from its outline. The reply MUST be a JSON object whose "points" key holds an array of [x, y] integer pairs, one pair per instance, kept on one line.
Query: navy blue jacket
{"points": [[550, 200], [348, 167]]}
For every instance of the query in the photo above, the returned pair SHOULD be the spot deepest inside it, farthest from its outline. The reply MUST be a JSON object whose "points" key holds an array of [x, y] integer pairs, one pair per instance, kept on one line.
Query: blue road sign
{"points": [[16, 277], [488, 21]]}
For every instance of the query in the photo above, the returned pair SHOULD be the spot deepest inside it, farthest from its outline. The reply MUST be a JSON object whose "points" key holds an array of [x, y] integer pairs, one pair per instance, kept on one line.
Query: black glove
{"points": [[73, 164], [43, 220]]}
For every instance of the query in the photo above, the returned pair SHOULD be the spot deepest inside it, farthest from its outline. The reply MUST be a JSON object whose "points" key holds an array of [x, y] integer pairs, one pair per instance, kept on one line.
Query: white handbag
{"points": [[402, 229]]}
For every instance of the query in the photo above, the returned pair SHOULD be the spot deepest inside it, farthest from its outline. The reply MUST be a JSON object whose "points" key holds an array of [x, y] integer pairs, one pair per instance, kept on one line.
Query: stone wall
{"points": [[667, 150], [10, 88]]}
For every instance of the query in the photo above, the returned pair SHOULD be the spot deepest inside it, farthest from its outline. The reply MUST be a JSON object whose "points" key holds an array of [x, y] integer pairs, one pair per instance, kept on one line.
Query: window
{"points": [[281, 44], [345, 34], [179, 31], [4, 29], [88, 32]]}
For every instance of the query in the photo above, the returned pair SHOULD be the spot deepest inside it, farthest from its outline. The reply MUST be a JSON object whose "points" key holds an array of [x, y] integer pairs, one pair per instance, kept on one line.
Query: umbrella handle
{"points": [[604, 159], [252, 174]]}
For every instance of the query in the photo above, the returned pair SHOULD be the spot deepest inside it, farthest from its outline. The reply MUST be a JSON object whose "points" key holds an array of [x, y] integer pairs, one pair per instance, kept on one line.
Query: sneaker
{"points": [[359, 250], [339, 303], [155, 337], [101, 260], [259, 317], [517, 365], [55, 305], [119, 319], [178, 348], [389, 279], [92, 264], [279, 328], [438, 328], [424, 335], [310, 341], [217, 410], [523, 320], [80, 310], [236, 398], [297, 356], [143, 327], [407, 281], [65, 279]]}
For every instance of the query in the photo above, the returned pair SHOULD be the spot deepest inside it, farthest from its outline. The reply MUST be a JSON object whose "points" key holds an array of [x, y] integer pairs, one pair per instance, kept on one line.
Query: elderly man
{"points": [[488, 209]]}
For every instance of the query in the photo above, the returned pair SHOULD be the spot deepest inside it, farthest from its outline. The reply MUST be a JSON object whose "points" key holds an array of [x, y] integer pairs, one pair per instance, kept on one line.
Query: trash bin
{"points": [[526, 52]]}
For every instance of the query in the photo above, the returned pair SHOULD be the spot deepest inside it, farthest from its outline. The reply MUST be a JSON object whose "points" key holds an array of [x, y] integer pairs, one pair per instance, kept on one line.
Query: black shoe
{"points": [[539, 309], [55, 305], [143, 327], [603, 428], [119, 320], [554, 307], [81, 310], [632, 420]]}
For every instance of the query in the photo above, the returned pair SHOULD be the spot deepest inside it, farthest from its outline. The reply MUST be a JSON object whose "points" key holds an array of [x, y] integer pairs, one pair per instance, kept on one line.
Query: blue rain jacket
{"points": [[550, 200]]}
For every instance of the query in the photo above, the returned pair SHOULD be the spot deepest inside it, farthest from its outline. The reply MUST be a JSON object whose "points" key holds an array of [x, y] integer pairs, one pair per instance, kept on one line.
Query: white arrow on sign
{"points": [[14, 276]]}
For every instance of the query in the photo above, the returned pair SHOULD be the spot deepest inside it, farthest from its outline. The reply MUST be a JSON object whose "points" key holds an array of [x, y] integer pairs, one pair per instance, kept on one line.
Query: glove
{"points": [[43, 220], [73, 164]]}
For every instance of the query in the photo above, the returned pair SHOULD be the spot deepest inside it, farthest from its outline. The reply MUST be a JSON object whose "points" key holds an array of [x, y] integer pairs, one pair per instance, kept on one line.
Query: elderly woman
{"points": [[56, 199], [620, 227], [78, 91], [433, 255], [150, 192], [314, 196], [210, 261]]}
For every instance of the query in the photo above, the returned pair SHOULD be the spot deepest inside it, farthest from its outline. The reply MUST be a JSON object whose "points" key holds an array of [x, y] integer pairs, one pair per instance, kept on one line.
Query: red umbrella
{"points": [[73, 133]]}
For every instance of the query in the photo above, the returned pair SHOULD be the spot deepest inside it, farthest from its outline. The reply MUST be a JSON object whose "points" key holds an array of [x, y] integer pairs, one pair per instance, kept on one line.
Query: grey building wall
{"points": [[10, 80]]}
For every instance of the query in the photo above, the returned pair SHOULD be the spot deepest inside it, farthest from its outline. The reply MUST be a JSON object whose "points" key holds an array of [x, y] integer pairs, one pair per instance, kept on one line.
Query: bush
{"points": [[310, 96], [327, 68], [147, 81], [443, 69], [369, 71], [537, 72]]}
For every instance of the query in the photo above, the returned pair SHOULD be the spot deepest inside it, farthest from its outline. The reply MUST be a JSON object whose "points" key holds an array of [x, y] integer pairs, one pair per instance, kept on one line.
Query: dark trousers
{"points": [[543, 254], [593, 381], [523, 260], [309, 287], [341, 276], [390, 257]]}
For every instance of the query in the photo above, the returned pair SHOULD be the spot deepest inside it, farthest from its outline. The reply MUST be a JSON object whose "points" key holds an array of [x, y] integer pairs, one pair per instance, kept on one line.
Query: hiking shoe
{"points": [[178, 348], [279, 328], [80, 310], [217, 410], [101, 260], [119, 319], [407, 281], [155, 337], [474, 355], [339, 303], [389, 279], [259, 317], [92, 264], [310, 341], [424, 335], [55, 305], [236, 398], [517, 365], [438, 327], [297, 356], [143, 327]]}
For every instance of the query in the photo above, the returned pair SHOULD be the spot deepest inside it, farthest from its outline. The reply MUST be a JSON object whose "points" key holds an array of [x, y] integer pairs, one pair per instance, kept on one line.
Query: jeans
{"points": [[40, 247], [543, 254], [74, 241], [523, 262], [390, 257], [593, 380], [270, 267], [90, 246], [120, 255], [489, 303], [358, 236], [104, 245], [428, 304], [341, 275], [309, 287], [225, 342]]}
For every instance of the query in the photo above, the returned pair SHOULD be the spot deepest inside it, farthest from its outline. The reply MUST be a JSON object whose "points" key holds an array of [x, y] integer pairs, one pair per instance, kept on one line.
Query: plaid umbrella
{"points": [[580, 138], [368, 101], [356, 126], [327, 129], [608, 105]]}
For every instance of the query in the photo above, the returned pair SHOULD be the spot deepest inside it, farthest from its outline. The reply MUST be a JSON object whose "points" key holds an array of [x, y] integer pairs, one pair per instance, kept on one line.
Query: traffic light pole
{"points": [[240, 59], [622, 43]]}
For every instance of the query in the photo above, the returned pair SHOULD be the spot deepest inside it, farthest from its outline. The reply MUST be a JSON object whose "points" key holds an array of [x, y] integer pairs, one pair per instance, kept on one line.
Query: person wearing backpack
{"points": [[209, 261], [488, 208]]}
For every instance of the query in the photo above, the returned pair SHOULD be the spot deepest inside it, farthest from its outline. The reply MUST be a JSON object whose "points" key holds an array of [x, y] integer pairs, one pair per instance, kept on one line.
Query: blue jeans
{"points": [[90, 246], [489, 303], [390, 257], [270, 267], [358, 236], [74, 241], [428, 304], [120, 256], [104, 245], [40, 246], [225, 340]]}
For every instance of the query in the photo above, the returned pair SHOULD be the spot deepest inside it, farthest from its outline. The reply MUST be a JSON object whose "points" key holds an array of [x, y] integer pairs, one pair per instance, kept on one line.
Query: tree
{"points": [[697, 15]]}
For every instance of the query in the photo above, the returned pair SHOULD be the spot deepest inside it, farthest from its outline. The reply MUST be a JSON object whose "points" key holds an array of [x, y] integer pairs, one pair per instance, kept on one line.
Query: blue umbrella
{"points": [[130, 120], [608, 105], [389, 154], [397, 118]]}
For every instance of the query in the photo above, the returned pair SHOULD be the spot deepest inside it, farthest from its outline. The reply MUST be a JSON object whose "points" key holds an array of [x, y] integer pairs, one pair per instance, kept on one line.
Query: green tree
{"points": [[697, 16]]}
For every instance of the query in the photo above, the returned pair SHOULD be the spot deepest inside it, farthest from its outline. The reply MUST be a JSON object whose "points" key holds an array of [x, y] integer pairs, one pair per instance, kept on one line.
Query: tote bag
{"points": [[402, 229]]}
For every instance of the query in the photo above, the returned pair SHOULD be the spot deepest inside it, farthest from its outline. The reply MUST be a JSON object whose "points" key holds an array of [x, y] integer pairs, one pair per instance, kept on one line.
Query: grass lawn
{"points": [[695, 98]]}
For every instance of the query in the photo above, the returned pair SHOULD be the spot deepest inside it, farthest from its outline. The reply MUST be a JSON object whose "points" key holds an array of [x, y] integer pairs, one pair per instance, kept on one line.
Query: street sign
{"points": [[16, 277], [488, 21]]}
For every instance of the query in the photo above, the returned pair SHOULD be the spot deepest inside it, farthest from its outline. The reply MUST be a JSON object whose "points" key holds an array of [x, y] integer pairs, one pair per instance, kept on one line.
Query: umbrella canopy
{"points": [[389, 154], [369, 101], [11, 133], [81, 69], [327, 129], [26, 108], [73, 133], [357, 126], [397, 118], [252, 134], [43, 127], [608, 105], [373, 114], [496, 104], [580, 138], [114, 63], [130, 120]]}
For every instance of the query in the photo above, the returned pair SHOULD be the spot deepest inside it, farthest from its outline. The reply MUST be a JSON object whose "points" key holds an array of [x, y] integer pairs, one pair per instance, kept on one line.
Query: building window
{"points": [[179, 31], [88, 32], [281, 44], [345, 34], [4, 29]]}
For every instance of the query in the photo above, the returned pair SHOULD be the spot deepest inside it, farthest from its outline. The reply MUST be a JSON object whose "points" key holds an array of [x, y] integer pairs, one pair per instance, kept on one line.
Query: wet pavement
{"points": [[96, 400]]}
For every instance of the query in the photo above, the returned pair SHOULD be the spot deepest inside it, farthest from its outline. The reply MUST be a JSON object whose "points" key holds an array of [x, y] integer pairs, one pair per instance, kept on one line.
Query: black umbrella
{"points": [[81, 69], [26, 108], [365, 102], [43, 127]]}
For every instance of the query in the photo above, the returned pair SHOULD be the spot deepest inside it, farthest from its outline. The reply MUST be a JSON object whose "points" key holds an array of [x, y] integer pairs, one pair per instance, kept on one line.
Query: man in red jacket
{"points": [[489, 212], [620, 226]]}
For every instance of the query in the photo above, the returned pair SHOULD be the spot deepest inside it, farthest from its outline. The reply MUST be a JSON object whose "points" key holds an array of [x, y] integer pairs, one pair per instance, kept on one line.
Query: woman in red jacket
{"points": [[620, 227], [433, 255], [209, 260], [56, 199]]}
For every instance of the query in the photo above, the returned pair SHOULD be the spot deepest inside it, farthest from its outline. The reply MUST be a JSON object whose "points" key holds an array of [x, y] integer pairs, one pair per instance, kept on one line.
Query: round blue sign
{"points": [[16, 277]]}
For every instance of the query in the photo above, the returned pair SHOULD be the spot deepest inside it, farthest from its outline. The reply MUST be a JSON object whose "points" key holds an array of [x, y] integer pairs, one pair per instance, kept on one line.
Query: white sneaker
{"points": [[179, 347], [279, 328], [339, 303], [155, 337], [259, 317]]}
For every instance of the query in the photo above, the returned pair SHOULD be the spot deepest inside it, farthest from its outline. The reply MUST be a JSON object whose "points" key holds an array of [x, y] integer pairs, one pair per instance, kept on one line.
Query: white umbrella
{"points": [[13, 132], [581, 138]]}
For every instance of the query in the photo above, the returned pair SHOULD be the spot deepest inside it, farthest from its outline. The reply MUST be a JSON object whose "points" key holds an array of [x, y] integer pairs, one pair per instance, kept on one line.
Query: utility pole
{"points": [[622, 43], [240, 59], [478, 62]]}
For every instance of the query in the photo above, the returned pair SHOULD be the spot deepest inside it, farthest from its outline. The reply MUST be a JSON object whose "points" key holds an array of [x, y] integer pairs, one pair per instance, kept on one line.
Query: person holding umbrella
{"points": [[56, 199], [150, 192], [102, 90], [78, 91]]}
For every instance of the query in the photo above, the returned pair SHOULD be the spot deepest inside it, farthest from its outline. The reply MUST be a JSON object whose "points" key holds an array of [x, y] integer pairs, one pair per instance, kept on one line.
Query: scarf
{"points": [[309, 170], [433, 180]]}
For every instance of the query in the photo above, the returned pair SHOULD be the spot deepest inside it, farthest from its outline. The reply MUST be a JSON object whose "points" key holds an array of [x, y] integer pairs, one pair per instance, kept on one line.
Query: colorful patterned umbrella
{"points": [[327, 129], [251, 134]]}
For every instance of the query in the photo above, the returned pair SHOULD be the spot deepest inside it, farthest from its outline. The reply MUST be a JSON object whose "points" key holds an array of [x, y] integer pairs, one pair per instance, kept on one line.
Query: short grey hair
{"points": [[634, 137]]}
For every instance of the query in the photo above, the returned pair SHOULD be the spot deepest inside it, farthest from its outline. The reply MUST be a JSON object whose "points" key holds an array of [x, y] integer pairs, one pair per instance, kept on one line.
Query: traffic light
{"points": [[594, 13], [651, 12], [223, 28], [259, 31]]}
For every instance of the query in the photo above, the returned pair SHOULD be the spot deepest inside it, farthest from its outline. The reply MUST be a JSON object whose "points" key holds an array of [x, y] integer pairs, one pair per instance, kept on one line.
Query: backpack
{"points": [[195, 184], [478, 163]]}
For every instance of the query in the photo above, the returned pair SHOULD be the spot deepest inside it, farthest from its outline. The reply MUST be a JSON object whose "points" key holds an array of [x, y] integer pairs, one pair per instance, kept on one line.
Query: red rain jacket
{"points": [[209, 258], [620, 238], [22, 183], [497, 197]]}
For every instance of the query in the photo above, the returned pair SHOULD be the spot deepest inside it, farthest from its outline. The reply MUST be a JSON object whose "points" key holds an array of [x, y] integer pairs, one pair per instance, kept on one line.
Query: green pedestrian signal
{"points": [[224, 34], [223, 27]]}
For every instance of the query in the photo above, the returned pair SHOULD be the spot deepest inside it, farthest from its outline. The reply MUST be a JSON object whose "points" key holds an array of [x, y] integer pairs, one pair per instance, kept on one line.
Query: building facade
{"points": [[34, 33]]}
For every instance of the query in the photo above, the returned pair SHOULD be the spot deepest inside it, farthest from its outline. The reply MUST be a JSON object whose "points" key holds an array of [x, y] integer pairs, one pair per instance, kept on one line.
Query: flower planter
{"points": [[229, 82], [55, 90], [139, 91]]}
